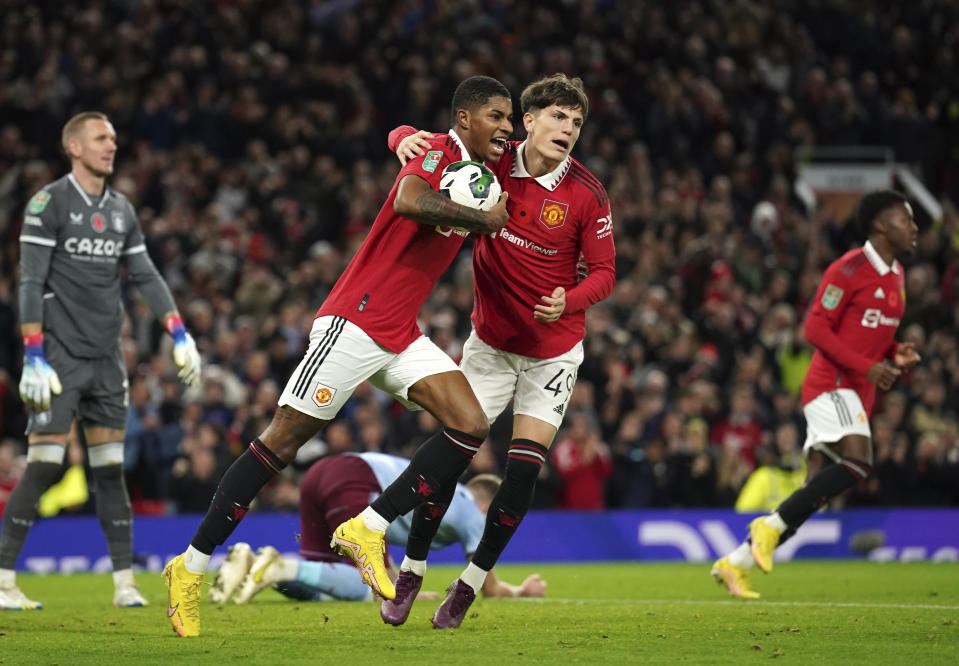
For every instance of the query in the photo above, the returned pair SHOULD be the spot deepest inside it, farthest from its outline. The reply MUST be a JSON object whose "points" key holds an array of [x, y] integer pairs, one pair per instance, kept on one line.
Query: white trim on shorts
{"points": [[832, 415], [538, 387], [341, 356]]}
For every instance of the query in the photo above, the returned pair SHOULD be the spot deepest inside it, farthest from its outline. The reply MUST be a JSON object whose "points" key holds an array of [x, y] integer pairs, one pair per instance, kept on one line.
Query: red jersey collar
{"points": [[877, 262], [459, 142], [550, 180]]}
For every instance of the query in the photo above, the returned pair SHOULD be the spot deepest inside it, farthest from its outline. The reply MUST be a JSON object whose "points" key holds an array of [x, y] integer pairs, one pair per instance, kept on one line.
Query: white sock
{"points": [[123, 578], [415, 566], [195, 561], [288, 568], [374, 521], [741, 557], [474, 576], [775, 521], [8, 578]]}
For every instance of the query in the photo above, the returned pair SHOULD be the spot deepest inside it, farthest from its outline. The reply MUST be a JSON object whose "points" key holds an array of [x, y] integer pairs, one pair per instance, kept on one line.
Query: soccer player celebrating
{"points": [[335, 488], [366, 329], [851, 324], [528, 324], [77, 233]]}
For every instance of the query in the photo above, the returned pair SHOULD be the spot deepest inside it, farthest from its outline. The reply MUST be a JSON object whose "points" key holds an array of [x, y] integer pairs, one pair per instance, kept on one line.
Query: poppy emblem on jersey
{"points": [[98, 222], [39, 202], [831, 297], [432, 160], [116, 217], [323, 395], [892, 299], [553, 214]]}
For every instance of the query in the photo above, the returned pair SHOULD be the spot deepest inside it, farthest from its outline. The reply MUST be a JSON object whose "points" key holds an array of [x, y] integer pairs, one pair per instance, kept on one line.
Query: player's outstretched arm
{"points": [[416, 200], [533, 586], [411, 145]]}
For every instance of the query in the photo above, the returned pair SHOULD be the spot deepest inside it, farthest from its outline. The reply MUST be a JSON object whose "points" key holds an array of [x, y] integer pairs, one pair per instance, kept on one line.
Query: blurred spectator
{"points": [[780, 473], [583, 462], [12, 463], [740, 431]]}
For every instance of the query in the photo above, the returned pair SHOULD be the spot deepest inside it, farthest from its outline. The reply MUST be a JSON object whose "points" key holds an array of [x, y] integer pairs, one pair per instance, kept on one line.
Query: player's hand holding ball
{"points": [[474, 185], [185, 355], [38, 380]]}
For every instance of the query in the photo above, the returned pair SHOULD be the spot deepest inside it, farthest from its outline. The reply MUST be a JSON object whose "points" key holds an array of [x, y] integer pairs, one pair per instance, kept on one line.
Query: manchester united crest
{"points": [[553, 214], [323, 395]]}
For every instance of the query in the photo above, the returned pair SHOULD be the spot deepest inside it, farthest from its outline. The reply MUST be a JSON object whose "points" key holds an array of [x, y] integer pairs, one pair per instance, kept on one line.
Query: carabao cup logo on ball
{"points": [[470, 184]]}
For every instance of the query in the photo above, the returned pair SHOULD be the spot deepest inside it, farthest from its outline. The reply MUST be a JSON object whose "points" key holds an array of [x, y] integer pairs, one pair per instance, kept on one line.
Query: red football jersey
{"points": [[553, 221], [852, 323], [400, 261]]}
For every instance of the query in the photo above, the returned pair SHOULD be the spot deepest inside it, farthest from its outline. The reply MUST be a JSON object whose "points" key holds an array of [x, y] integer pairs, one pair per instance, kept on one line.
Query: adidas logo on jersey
{"points": [[558, 409], [879, 293]]}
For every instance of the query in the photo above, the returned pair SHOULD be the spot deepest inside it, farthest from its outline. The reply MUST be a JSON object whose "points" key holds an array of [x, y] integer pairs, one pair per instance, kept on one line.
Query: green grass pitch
{"points": [[811, 612]]}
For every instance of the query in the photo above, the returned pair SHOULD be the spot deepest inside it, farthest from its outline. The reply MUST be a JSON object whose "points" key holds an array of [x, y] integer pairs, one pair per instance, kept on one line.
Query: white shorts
{"points": [[539, 387], [341, 356], [832, 415]]}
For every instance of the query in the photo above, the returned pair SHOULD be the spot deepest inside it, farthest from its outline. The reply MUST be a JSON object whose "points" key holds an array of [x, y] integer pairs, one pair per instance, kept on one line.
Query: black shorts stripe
{"points": [[316, 358]]}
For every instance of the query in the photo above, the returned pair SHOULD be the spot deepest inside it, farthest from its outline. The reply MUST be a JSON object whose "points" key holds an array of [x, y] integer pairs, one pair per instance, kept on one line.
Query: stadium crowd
{"points": [[253, 146]]}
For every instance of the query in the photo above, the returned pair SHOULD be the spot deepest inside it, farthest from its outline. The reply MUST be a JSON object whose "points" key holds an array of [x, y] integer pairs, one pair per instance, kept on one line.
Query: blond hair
{"points": [[75, 124], [484, 486]]}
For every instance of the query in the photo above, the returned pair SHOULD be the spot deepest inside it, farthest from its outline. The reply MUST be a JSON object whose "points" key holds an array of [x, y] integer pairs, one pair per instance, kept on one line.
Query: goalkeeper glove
{"points": [[185, 355], [38, 380]]}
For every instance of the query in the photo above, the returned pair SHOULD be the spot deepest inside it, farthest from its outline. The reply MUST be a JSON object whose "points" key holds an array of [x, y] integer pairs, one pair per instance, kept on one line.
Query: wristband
{"points": [[174, 326], [33, 344]]}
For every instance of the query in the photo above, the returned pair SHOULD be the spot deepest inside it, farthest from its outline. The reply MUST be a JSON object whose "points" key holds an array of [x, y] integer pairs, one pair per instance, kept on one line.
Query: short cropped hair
{"points": [[484, 486], [74, 125], [474, 92], [873, 205], [557, 89]]}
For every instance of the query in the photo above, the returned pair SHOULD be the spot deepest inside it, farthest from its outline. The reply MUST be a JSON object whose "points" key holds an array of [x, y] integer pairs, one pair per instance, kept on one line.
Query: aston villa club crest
{"points": [[98, 222], [553, 214]]}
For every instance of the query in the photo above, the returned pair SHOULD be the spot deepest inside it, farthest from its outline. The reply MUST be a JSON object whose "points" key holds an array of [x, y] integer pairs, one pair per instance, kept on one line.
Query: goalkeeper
{"points": [[76, 233]]}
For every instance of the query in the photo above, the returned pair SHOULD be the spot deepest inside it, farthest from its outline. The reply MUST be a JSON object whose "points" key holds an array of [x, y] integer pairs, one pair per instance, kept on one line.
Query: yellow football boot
{"points": [[736, 579], [764, 540], [367, 549], [184, 593]]}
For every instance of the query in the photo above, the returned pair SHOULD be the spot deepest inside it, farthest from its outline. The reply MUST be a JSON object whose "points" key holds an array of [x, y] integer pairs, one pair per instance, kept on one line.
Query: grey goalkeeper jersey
{"points": [[71, 244]]}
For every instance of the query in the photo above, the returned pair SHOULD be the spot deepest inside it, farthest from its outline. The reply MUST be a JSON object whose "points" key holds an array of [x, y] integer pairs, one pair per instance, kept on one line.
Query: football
{"points": [[470, 184]]}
